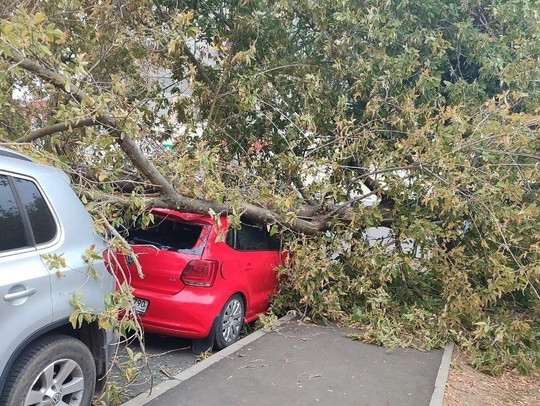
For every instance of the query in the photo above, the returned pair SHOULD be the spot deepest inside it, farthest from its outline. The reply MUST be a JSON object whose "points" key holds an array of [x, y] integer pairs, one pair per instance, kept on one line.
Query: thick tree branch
{"points": [[173, 198]]}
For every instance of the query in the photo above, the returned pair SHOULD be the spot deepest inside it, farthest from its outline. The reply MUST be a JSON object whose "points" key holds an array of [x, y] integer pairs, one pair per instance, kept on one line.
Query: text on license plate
{"points": [[140, 305]]}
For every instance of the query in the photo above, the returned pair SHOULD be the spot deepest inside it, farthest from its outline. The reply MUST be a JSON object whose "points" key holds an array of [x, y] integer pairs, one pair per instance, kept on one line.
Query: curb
{"points": [[442, 376], [187, 373]]}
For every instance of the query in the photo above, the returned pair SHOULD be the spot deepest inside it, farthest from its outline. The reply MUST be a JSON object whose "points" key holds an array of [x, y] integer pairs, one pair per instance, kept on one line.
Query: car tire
{"points": [[229, 323], [56, 370]]}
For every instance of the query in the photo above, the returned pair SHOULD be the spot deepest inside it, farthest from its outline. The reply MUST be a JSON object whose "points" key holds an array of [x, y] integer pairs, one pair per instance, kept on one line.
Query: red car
{"points": [[201, 281]]}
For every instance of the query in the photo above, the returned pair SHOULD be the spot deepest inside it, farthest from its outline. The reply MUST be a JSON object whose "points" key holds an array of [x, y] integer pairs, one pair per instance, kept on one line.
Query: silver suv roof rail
{"points": [[13, 154]]}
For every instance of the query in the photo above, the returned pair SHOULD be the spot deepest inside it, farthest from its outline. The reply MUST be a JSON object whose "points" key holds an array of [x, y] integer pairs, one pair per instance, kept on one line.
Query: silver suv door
{"points": [[25, 285]]}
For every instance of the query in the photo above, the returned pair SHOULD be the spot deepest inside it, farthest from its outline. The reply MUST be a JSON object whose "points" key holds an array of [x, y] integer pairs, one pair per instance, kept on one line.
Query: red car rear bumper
{"points": [[190, 313]]}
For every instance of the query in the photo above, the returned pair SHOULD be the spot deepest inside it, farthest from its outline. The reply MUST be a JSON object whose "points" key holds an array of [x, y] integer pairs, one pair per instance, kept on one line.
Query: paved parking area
{"points": [[304, 364]]}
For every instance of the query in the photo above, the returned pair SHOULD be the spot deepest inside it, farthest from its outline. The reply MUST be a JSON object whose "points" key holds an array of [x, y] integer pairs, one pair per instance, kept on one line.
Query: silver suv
{"points": [[43, 359]]}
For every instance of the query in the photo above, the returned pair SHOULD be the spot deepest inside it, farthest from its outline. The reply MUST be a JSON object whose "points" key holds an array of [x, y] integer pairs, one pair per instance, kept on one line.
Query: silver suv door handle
{"points": [[19, 295]]}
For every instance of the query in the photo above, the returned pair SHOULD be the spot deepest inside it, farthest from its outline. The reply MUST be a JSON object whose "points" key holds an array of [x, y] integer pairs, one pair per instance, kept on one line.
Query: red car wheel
{"points": [[230, 322]]}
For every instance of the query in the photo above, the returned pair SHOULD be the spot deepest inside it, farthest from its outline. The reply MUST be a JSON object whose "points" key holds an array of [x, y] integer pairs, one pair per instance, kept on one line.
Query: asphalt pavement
{"points": [[306, 364]]}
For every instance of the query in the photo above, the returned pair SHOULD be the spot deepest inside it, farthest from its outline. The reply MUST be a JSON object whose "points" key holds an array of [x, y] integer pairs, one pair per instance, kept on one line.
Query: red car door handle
{"points": [[19, 295]]}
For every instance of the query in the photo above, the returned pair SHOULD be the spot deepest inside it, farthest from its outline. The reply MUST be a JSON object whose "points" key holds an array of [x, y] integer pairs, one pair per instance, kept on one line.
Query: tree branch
{"points": [[55, 128], [48, 75], [200, 68]]}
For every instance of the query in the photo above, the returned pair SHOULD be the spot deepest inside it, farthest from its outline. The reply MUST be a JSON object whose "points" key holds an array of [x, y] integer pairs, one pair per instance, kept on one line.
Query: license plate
{"points": [[140, 305]]}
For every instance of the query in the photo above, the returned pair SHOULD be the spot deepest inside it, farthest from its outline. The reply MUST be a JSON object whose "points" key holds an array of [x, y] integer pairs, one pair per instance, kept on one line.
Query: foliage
{"points": [[297, 113], [203, 355], [266, 322]]}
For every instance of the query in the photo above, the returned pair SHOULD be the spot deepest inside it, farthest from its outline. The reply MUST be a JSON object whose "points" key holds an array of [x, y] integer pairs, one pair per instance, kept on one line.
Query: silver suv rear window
{"points": [[12, 232], [25, 218]]}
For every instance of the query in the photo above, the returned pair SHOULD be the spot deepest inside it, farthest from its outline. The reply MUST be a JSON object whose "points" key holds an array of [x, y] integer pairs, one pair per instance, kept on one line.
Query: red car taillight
{"points": [[200, 272]]}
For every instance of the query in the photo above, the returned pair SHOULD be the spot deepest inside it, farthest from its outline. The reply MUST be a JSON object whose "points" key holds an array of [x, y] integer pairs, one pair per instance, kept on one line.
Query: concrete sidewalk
{"points": [[305, 364]]}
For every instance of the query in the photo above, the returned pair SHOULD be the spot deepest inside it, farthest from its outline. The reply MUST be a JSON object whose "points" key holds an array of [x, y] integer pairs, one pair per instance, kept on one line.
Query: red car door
{"points": [[259, 258]]}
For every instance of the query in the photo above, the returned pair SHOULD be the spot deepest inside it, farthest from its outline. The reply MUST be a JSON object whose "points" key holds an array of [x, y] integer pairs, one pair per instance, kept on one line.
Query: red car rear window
{"points": [[167, 233]]}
